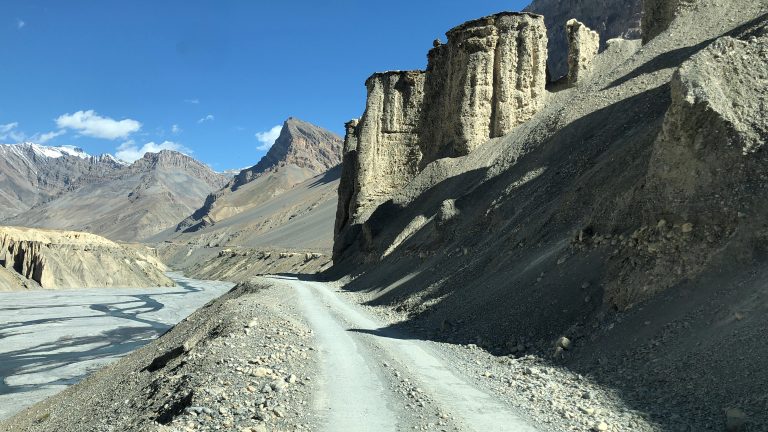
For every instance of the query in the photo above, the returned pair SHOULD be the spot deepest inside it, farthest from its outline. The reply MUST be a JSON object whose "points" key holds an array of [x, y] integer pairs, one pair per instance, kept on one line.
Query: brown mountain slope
{"points": [[32, 174], [301, 152], [134, 203]]}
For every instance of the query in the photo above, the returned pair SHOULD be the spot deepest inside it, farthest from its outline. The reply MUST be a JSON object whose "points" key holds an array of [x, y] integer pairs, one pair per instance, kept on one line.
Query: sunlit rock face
{"points": [[488, 78]]}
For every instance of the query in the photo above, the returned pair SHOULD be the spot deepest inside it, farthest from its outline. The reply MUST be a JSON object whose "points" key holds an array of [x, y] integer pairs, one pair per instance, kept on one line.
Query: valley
{"points": [[557, 224]]}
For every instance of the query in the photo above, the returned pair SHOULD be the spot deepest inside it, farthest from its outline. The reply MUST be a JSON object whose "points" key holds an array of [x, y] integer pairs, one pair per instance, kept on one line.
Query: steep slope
{"points": [[299, 219], [610, 18], [627, 216], [31, 174], [302, 151], [34, 259], [134, 202]]}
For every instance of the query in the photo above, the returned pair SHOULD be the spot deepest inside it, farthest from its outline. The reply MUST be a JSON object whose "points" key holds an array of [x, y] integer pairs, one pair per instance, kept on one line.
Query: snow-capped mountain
{"points": [[65, 187]]}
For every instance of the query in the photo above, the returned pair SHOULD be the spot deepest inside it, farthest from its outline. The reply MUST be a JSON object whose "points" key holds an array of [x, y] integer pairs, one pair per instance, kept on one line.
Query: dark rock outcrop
{"points": [[610, 18]]}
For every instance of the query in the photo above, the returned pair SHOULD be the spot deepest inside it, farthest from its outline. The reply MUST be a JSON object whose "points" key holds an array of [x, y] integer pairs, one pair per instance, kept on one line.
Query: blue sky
{"points": [[212, 78]]}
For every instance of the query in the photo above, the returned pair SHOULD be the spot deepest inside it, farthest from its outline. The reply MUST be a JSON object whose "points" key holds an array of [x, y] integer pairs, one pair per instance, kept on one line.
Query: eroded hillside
{"points": [[605, 218], [36, 258]]}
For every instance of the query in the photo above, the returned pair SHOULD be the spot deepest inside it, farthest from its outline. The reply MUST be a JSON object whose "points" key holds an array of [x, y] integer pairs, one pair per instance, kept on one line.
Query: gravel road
{"points": [[377, 371]]}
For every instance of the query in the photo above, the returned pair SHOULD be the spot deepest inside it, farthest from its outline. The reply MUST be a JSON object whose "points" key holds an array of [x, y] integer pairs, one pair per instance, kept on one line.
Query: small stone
{"points": [[662, 223], [252, 323], [261, 372], [687, 227], [291, 379], [266, 389], [278, 385], [558, 352], [735, 419], [563, 342], [601, 427]]}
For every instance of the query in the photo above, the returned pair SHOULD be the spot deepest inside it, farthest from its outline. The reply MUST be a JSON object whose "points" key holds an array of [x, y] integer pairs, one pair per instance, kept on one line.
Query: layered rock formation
{"points": [[31, 258], [489, 77], [659, 14], [610, 18], [302, 151], [132, 202], [583, 45], [387, 137], [347, 188]]}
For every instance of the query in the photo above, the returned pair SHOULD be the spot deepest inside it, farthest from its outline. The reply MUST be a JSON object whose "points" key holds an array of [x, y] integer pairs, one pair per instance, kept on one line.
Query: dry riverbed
{"points": [[50, 340]]}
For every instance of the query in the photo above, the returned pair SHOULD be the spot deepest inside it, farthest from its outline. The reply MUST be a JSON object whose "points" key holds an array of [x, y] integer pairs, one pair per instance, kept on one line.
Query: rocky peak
{"points": [[300, 143], [173, 160]]}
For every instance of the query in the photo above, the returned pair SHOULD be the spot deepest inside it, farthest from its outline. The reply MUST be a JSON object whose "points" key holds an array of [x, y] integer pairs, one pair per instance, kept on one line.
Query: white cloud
{"points": [[192, 101], [10, 132], [268, 138], [20, 23], [207, 118], [8, 127], [130, 152], [175, 129], [44, 138], [91, 124]]}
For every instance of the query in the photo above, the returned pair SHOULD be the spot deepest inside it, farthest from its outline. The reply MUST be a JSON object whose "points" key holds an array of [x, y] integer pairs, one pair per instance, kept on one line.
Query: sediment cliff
{"points": [[488, 78], [36, 258]]}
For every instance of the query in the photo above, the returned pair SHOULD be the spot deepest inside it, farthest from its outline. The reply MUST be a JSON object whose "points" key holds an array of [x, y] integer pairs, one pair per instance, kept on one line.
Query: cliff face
{"points": [[583, 45], [488, 78], [31, 258], [610, 18], [387, 137]]}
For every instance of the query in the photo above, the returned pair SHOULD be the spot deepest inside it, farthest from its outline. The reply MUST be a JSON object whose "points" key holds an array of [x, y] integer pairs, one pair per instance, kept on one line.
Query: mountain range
{"points": [[170, 195]]}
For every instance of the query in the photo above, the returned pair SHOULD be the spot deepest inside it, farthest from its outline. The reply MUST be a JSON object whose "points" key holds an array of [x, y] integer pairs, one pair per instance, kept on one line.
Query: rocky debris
{"points": [[252, 367], [659, 14], [67, 259], [487, 79], [241, 264], [611, 18], [583, 45]]}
